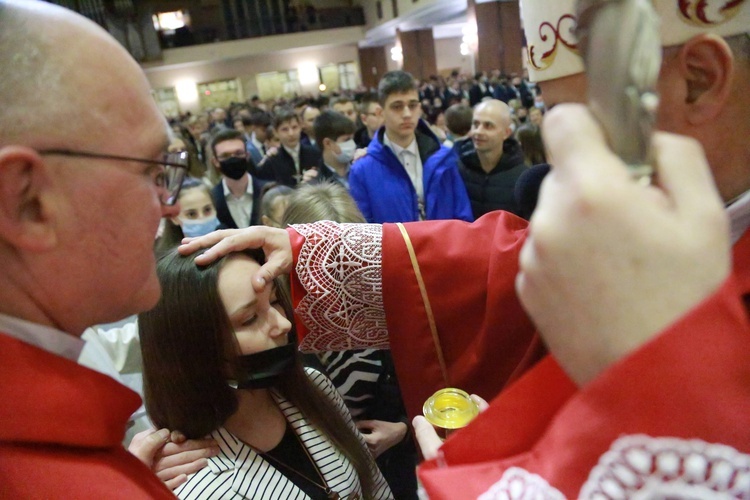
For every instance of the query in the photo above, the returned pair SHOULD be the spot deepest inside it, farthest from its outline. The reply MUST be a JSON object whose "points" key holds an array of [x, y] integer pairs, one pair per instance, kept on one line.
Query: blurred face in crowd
{"points": [[289, 133], [230, 148], [308, 117], [490, 126], [272, 140], [372, 117], [346, 109], [401, 114], [195, 204], [219, 115], [535, 116]]}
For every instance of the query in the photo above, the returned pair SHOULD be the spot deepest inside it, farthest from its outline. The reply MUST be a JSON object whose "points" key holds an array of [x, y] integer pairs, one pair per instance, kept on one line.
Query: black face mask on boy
{"points": [[234, 167]]}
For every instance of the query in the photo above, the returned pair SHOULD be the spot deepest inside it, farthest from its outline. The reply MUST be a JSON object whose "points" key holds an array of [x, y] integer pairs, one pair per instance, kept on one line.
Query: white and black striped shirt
{"points": [[239, 472]]}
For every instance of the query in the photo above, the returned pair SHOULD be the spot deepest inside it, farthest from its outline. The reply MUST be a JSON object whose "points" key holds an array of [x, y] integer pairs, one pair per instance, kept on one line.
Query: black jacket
{"points": [[280, 168], [493, 190], [222, 209]]}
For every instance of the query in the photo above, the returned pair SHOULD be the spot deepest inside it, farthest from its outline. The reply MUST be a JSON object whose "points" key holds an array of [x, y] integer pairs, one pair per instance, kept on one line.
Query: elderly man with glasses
{"points": [[79, 209]]}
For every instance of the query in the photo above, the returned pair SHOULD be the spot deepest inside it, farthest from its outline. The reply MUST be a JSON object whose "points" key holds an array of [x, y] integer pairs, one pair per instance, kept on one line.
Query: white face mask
{"points": [[347, 151]]}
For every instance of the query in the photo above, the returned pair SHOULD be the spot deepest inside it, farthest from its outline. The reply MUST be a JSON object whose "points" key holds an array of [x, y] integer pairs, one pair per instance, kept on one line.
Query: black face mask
{"points": [[234, 168], [262, 369]]}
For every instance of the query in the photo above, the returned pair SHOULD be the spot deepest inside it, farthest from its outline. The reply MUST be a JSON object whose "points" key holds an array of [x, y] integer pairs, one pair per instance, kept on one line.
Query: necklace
{"points": [[323, 485]]}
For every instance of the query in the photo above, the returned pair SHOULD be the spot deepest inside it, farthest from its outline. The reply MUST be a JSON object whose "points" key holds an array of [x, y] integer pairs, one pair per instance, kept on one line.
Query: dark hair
{"points": [[367, 99], [259, 118], [331, 125], [189, 352], [270, 195], [225, 135], [458, 119], [395, 82], [284, 115], [340, 100], [530, 138]]}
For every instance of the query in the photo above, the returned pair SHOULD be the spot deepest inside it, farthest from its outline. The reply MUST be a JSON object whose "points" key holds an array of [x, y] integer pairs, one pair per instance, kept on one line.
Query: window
{"points": [[278, 84], [166, 99], [379, 7], [219, 93]]}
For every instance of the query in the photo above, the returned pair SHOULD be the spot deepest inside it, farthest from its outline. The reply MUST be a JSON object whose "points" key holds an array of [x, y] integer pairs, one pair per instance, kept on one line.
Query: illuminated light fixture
{"points": [[187, 91], [397, 54], [470, 39], [169, 21], [322, 87], [307, 73]]}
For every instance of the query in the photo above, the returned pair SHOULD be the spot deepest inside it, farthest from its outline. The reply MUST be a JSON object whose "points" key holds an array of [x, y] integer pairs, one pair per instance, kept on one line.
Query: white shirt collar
{"points": [[248, 190], [42, 336], [411, 148], [294, 151]]}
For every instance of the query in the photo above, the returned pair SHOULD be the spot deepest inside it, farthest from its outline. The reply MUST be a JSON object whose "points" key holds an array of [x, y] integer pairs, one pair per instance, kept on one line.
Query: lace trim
{"points": [[669, 468], [520, 484], [339, 267], [643, 467]]}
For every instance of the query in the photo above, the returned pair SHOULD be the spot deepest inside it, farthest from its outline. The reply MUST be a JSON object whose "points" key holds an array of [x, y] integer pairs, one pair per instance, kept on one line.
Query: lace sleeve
{"points": [[339, 267]]}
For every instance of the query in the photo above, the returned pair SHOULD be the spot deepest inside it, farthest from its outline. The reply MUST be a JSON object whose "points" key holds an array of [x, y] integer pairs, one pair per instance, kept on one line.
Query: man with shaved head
{"points": [[81, 201], [491, 160]]}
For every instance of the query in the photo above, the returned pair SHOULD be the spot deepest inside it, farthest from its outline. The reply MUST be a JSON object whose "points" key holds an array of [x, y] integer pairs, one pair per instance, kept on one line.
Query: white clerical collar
{"points": [[739, 216], [42, 336]]}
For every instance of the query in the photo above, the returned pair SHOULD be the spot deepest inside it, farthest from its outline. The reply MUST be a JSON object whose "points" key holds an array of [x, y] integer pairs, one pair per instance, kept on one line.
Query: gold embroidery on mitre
{"points": [[703, 13], [565, 37]]}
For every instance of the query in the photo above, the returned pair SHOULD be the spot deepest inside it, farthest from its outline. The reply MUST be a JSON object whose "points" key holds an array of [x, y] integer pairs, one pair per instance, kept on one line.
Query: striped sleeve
{"points": [[382, 491]]}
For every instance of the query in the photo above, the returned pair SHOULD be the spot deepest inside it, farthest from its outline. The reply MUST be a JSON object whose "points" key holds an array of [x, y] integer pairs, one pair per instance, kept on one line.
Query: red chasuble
{"points": [[672, 418], [61, 430], [443, 297]]}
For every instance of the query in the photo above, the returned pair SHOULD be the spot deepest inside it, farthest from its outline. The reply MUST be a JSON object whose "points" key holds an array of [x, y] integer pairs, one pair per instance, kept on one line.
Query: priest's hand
{"points": [[274, 242], [610, 263], [427, 438]]}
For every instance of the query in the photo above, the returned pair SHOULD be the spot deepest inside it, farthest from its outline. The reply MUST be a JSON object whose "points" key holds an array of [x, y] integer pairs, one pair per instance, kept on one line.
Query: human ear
{"points": [[707, 66], [27, 212]]}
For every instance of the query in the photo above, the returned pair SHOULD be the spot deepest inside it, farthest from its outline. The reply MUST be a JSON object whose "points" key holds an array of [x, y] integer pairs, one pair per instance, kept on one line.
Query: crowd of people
{"points": [[482, 147], [386, 235]]}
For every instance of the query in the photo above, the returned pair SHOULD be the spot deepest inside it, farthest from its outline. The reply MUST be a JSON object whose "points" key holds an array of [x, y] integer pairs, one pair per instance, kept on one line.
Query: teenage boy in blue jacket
{"points": [[407, 175]]}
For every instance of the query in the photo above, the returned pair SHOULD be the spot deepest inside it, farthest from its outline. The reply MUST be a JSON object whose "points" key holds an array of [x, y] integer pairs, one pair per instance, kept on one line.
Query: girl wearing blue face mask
{"points": [[197, 211], [197, 216]]}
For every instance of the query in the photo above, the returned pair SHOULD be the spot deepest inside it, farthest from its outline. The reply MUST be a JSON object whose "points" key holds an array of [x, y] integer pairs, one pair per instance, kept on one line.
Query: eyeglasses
{"points": [[168, 178]]}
